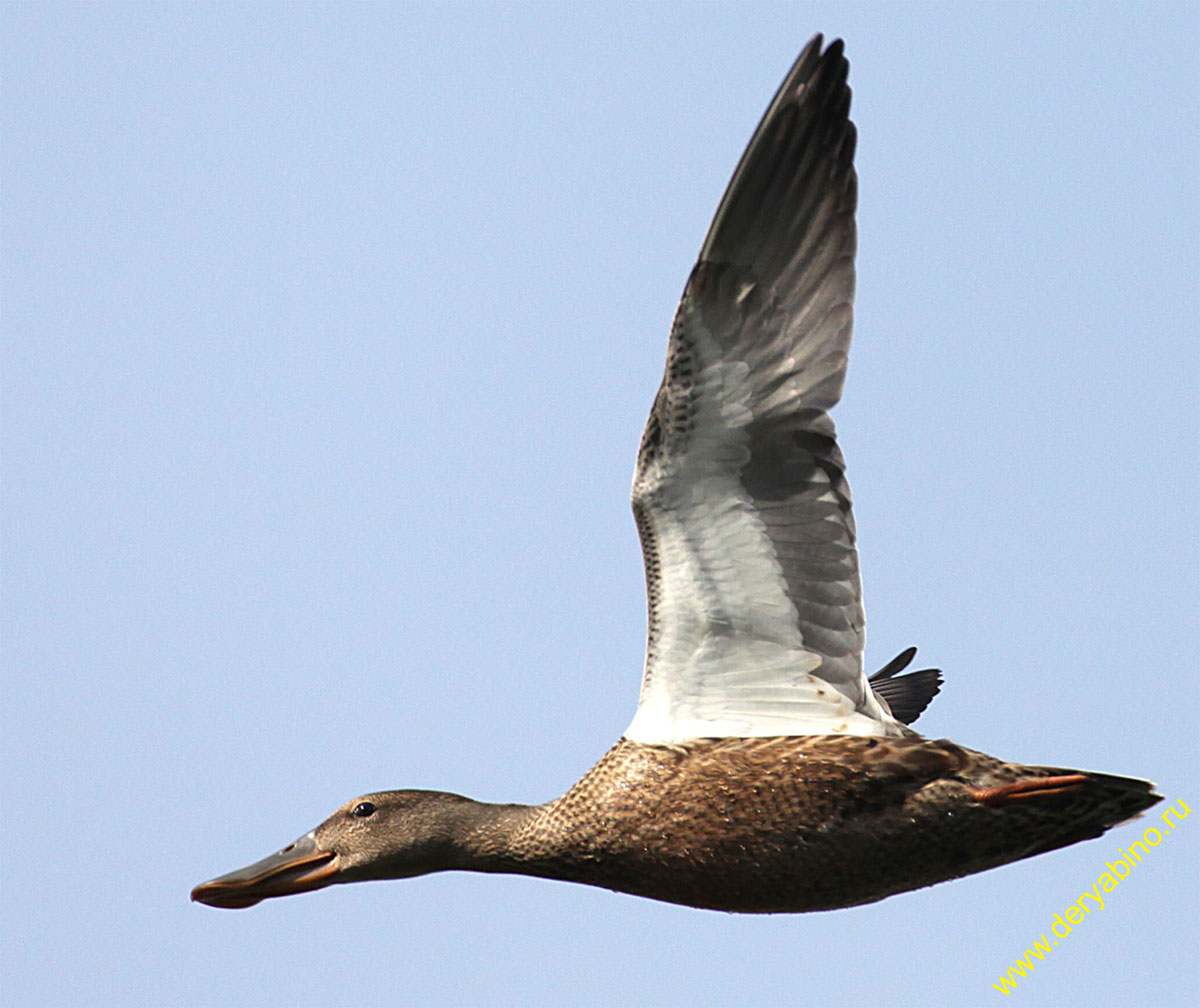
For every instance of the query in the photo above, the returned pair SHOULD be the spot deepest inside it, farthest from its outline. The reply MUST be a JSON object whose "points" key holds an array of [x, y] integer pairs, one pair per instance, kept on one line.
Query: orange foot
{"points": [[1027, 790]]}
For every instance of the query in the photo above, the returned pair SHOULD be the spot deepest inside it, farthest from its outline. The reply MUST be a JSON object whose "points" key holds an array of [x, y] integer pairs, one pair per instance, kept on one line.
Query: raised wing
{"points": [[755, 610]]}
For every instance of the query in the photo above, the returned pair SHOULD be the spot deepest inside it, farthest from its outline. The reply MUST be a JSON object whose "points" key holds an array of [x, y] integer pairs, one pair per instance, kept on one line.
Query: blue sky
{"points": [[329, 334]]}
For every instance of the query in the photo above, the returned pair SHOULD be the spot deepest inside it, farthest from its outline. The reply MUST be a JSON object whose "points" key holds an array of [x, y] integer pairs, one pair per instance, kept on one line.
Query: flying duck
{"points": [[763, 771]]}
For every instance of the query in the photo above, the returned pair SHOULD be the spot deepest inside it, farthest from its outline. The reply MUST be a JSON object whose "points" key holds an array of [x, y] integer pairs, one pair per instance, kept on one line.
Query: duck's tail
{"points": [[1062, 807]]}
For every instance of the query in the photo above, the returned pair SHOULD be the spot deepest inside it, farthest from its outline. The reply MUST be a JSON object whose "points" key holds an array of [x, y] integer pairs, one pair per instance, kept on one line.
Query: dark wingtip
{"points": [[907, 696], [808, 111], [897, 664]]}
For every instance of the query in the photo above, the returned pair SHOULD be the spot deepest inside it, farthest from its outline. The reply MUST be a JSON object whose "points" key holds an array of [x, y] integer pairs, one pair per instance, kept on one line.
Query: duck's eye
{"points": [[363, 809]]}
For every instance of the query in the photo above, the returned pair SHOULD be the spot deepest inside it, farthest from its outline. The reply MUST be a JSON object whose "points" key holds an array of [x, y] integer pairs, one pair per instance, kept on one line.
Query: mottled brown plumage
{"points": [[789, 824]]}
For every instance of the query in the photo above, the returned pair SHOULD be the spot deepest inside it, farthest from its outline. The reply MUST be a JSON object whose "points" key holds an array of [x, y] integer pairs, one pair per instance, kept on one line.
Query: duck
{"points": [[763, 771]]}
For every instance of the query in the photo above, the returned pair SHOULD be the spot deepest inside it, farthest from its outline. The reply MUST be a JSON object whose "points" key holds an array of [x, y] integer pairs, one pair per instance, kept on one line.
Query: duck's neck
{"points": [[494, 838]]}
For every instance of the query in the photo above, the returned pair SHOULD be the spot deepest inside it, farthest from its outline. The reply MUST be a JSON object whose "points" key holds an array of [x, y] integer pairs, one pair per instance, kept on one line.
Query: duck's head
{"points": [[390, 834]]}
